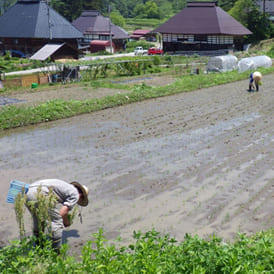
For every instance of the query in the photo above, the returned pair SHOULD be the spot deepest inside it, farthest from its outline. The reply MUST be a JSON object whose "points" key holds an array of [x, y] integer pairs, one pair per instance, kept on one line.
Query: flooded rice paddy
{"points": [[199, 162]]}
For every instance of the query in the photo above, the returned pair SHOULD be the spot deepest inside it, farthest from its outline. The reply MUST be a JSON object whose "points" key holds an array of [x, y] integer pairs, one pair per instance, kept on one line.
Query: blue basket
{"points": [[16, 187]]}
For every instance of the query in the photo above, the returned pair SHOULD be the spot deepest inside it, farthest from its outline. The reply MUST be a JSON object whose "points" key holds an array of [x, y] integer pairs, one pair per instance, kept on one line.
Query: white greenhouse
{"points": [[222, 63], [250, 63]]}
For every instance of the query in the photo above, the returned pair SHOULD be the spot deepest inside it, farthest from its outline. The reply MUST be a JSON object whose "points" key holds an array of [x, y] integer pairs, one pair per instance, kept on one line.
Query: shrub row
{"points": [[150, 253]]}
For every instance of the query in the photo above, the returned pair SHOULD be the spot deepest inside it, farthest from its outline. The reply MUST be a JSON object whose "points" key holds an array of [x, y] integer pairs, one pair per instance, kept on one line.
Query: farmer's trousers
{"points": [[57, 225], [251, 81]]}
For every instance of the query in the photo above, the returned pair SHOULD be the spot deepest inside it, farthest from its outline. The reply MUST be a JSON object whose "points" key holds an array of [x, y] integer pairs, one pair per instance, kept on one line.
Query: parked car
{"points": [[153, 51], [140, 51]]}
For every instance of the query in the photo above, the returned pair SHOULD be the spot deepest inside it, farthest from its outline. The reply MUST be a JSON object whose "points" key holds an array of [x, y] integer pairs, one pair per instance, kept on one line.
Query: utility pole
{"points": [[110, 35], [49, 22]]}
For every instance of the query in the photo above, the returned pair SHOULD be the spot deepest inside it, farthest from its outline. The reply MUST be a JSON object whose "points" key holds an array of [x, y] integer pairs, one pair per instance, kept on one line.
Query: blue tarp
{"points": [[8, 101]]}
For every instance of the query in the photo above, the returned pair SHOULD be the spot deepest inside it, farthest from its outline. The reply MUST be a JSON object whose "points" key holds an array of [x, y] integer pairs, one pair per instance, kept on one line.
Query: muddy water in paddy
{"points": [[199, 162]]}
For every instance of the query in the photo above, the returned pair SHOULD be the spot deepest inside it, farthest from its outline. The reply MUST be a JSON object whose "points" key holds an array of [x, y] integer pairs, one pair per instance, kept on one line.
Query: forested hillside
{"points": [[245, 11]]}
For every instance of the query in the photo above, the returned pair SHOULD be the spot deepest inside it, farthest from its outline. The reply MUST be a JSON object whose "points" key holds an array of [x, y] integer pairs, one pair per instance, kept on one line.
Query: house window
{"points": [[104, 37], [190, 38], [174, 38], [181, 39], [89, 37], [200, 38], [212, 39]]}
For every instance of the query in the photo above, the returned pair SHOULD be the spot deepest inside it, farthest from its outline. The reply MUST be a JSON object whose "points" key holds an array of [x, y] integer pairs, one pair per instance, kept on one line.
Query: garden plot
{"points": [[79, 92], [199, 162]]}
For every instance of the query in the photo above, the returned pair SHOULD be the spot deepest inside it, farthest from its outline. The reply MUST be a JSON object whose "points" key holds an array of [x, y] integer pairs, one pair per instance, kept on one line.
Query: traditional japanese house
{"points": [[94, 26], [30, 24], [202, 26]]}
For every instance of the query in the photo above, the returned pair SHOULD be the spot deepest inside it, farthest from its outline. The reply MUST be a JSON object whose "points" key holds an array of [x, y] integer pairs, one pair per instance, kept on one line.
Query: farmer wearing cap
{"points": [[67, 196], [254, 78]]}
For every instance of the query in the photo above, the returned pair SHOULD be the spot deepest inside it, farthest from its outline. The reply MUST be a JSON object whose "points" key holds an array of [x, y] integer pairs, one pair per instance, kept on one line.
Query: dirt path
{"points": [[199, 162]]}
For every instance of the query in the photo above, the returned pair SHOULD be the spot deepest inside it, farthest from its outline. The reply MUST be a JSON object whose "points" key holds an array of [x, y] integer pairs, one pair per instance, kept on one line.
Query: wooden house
{"points": [[30, 24], [94, 26], [202, 26]]}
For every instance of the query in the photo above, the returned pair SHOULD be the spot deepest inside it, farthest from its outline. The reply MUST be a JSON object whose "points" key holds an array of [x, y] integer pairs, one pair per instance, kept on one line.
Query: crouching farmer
{"points": [[60, 198], [254, 79]]}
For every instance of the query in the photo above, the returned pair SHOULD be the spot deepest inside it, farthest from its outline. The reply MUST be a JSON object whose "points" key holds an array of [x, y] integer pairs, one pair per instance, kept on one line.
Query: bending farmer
{"points": [[254, 78], [66, 195]]}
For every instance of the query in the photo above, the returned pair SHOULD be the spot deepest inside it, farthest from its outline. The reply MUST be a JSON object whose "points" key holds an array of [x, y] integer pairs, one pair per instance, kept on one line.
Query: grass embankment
{"points": [[12, 116], [151, 253], [142, 23]]}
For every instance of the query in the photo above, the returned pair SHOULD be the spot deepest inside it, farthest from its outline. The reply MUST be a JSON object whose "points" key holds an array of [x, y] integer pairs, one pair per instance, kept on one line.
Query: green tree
{"points": [[117, 5], [117, 18], [70, 9], [226, 4], [260, 25], [242, 9], [93, 5], [147, 10], [178, 5], [139, 11], [247, 12], [166, 10], [152, 10]]}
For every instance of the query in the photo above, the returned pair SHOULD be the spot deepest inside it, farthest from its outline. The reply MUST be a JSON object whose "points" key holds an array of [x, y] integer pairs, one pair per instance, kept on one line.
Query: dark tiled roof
{"points": [[29, 19], [92, 22], [203, 18]]}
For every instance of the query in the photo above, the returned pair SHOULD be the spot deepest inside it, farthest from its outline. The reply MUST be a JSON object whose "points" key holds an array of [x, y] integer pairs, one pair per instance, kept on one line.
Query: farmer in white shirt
{"points": [[67, 195]]}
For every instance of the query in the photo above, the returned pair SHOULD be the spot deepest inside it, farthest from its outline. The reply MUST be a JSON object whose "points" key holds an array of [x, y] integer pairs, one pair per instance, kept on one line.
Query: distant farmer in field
{"points": [[254, 79], [66, 196]]}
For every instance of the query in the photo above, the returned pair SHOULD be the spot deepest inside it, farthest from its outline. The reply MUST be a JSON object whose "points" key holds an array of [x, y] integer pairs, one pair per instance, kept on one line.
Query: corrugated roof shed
{"points": [[203, 18], [29, 19], [92, 22], [46, 51]]}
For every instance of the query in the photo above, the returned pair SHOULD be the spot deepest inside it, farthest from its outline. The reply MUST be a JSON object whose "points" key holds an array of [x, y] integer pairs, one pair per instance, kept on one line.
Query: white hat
{"points": [[84, 200], [257, 76]]}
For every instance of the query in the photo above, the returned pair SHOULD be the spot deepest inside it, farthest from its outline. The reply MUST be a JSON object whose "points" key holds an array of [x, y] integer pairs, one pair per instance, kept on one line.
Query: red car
{"points": [[153, 51]]}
